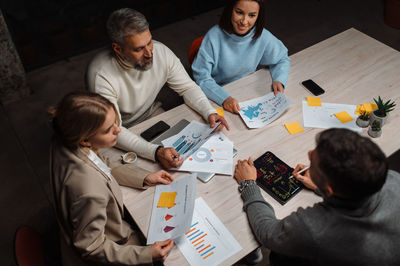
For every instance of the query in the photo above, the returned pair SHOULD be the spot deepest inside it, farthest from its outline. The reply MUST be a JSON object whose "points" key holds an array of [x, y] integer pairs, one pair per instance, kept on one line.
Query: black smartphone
{"points": [[313, 87], [155, 130]]}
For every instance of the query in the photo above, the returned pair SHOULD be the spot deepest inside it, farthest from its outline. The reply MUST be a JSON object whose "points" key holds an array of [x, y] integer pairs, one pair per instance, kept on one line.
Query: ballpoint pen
{"points": [[301, 171]]}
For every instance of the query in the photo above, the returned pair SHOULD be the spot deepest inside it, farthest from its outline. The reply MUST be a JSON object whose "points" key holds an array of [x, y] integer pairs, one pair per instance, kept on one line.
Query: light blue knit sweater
{"points": [[223, 58]]}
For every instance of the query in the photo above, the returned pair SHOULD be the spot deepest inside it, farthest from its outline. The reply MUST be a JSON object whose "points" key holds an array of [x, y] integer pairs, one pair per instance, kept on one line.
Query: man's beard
{"points": [[142, 66]]}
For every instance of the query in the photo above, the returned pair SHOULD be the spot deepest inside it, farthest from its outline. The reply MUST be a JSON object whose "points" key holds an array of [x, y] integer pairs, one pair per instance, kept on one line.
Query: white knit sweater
{"points": [[133, 92]]}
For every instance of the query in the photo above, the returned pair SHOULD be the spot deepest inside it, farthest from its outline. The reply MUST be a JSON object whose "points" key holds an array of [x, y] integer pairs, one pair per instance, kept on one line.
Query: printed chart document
{"points": [[214, 156], [190, 138], [172, 209], [261, 111], [207, 242], [324, 116]]}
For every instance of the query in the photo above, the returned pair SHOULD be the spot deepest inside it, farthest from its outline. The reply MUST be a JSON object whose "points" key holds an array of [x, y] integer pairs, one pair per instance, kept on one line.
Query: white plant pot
{"points": [[374, 133], [375, 117], [362, 123]]}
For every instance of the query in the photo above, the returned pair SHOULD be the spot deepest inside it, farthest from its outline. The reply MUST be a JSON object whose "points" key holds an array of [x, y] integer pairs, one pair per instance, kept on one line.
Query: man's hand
{"points": [[245, 170], [304, 177], [161, 249], [214, 118], [277, 86], [231, 105], [159, 177], [169, 158]]}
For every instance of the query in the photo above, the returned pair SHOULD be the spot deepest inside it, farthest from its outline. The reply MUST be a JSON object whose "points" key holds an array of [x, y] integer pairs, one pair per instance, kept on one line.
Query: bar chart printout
{"points": [[208, 241]]}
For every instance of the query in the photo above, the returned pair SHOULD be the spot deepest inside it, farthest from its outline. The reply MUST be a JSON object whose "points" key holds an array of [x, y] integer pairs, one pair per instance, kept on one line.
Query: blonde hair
{"points": [[78, 116]]}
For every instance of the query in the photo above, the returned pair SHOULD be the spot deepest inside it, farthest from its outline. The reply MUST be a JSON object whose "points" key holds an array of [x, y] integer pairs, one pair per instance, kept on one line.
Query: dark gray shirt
{"points": [[335, 231]]}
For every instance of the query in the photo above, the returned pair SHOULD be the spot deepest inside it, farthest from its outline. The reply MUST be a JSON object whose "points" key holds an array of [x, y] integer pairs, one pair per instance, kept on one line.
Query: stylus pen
{"points": [[301, 171]]}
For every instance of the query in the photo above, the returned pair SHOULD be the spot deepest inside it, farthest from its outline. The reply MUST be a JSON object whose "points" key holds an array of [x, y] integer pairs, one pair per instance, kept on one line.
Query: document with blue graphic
{"points": [[261, 111], [203, 151]]}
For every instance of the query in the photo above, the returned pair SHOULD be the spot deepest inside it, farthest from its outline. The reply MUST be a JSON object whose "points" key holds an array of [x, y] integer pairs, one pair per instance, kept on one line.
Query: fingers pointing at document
{"points": [[214, 118]]}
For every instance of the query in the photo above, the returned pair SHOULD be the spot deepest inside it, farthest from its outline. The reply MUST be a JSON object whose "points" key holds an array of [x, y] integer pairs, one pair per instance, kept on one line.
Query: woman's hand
{"points": [[304, 177], [161, 249], [277, 86], [245, 170], [231, 105], [159, 177]]}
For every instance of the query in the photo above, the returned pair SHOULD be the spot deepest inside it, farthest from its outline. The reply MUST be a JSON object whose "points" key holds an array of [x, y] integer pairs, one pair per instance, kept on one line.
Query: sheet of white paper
{"points": [[324, 116], [190, 138], [214, 156], [261, 111], [208, 242], [173, 222]]}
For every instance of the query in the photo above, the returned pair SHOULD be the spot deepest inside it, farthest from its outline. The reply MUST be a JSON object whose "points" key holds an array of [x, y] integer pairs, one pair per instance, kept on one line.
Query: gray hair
{"points": [[125, 22]]}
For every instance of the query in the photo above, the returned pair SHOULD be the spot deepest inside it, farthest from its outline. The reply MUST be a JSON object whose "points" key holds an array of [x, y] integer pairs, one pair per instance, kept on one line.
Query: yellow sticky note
{"points": [[365, 107], [294, 128], [314, 101], [369, 107], [344, 117], [167, 199], [220, 111], [360, 109]]}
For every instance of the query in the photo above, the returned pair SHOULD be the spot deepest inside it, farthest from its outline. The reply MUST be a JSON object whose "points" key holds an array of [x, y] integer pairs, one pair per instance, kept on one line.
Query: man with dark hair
{"points": [[358, 221], [132, 73]]}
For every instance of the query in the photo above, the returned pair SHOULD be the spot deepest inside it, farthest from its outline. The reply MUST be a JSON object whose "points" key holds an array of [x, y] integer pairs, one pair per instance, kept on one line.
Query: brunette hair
{"points": [[125, 22], [354, 166], [225, 22], [78, 116]]}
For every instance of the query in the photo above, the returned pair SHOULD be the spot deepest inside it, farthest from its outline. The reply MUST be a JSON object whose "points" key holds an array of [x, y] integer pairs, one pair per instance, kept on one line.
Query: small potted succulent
{"points": [[384, 108], [363, 120], [375, 130]]}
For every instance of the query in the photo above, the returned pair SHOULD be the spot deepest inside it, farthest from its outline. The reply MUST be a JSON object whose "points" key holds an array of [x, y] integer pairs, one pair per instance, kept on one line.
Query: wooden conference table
{"points": [[352, 68]]}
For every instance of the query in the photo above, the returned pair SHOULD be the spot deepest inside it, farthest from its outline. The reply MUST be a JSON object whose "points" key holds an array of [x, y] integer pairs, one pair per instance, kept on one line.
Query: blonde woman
{"points": [[94, 225]]}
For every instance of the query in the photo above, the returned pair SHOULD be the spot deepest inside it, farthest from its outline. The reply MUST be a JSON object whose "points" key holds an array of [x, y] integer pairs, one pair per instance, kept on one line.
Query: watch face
{"points": [[244, 184]]}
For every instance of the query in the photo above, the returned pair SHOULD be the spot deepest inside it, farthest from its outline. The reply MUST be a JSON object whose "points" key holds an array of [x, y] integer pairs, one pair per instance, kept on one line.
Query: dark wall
{"points": [[45, 31]]}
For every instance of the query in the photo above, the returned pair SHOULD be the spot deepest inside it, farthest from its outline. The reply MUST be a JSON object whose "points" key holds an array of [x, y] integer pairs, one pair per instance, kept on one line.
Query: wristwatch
{"points": [[245, 183]]}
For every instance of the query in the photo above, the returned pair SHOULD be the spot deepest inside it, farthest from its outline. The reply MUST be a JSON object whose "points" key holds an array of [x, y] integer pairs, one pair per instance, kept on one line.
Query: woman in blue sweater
{"points": [[235, 48]]}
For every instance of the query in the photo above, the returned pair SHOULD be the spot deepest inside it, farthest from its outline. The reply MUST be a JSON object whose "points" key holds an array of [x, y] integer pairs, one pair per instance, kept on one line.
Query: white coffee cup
{"points": [[129, 157]]}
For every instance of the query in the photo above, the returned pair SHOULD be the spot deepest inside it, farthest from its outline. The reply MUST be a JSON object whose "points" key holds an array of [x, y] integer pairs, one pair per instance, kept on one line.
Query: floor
{"points": [[25, 134]]}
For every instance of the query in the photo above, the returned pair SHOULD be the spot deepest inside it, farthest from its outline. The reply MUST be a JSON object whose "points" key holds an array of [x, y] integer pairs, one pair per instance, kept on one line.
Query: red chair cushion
{"points": [[28, 247], [194, 48]]}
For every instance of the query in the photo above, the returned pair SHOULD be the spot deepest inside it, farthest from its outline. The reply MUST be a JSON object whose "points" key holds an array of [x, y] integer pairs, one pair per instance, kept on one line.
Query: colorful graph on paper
{"points": [[199, 241], [208, 241], [172, 211], [261, 111], [190, 138]]}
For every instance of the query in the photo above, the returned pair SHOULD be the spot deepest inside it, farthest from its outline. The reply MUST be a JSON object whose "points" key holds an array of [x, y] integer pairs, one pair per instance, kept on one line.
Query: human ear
{"points": [[85, 143], [117, 48]]}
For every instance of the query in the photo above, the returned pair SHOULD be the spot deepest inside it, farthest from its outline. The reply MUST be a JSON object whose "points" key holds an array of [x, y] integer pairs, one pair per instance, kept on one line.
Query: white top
{"points": [[100, 164], [133, 91]]}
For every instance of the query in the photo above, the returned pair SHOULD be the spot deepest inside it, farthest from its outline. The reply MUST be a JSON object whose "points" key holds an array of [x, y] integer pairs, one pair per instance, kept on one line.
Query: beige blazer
{"points": [[89, 208]]}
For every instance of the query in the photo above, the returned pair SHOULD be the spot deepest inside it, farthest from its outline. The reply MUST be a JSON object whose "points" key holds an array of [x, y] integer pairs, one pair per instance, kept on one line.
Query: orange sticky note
{"points": [[294, 128], [344, 117], [314, 101], [167, 199], [220, 111]]}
